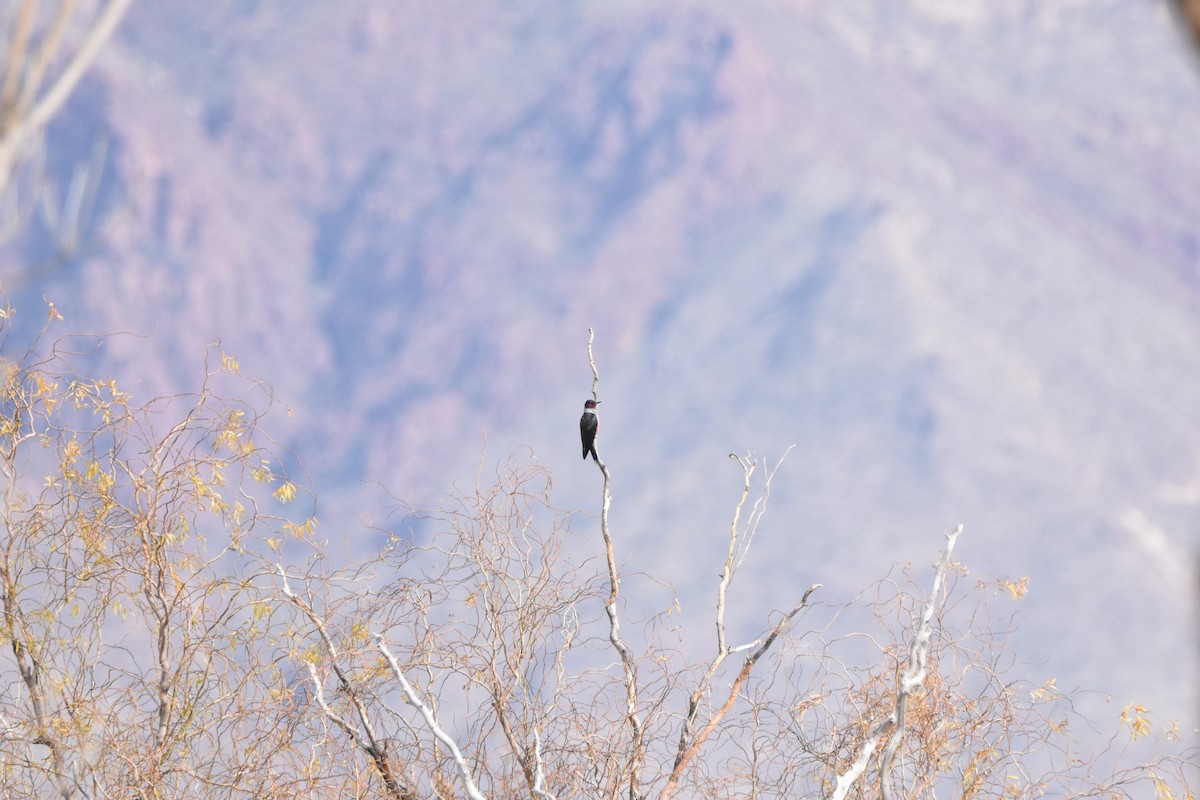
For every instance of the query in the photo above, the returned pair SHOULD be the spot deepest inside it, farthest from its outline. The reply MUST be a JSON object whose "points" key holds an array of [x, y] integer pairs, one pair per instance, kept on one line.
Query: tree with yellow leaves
{"points": [[132, 535]]}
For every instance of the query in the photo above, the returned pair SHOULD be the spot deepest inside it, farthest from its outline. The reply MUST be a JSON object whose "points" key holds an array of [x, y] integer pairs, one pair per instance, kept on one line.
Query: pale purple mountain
{"points": [[949, 249]]}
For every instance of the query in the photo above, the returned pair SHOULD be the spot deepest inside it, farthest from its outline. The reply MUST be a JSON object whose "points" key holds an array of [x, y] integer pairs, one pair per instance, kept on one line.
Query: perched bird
{"points": [[589, 423]]}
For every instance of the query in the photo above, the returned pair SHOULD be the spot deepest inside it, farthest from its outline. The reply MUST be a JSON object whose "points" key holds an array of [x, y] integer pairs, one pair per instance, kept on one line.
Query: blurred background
{"points": [[947, 248]]}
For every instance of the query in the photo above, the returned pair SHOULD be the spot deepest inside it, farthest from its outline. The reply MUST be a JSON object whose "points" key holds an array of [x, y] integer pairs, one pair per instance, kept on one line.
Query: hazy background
{"points": [[949, 249]]}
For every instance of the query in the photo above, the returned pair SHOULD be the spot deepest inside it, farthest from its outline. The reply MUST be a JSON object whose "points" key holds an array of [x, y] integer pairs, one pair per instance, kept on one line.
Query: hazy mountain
{"points": [[948, 249]]}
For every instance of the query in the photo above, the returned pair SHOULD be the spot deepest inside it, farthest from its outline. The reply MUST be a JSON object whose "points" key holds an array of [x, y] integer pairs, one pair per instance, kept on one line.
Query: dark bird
{"points": [[589, 423]]}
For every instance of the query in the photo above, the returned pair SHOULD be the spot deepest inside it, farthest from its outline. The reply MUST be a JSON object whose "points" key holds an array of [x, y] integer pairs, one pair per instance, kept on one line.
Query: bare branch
{"points": [[414, 699], [628, 662], [539, 784], [911, 680], [17, 46], [45, 107], [739, 539], [30, 95], [334, 717], [688, 749], [918, 657], [365, 739], [592, 362]]}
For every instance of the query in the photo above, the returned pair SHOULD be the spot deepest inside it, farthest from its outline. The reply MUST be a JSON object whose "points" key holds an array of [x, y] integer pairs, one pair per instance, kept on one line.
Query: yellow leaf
{"points": [[1047, 692], [1162, 791], [302, 529], [1018, 588], [1133, 715]]}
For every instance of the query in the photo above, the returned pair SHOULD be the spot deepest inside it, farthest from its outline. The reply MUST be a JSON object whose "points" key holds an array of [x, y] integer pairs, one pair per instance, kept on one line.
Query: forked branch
{"points": [[413, 699], [740, 536], [363, 734], [912, 679]]}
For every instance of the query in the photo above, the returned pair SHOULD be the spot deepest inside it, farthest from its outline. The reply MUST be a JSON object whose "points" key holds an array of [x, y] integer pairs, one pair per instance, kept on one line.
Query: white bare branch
{"points": [[539, 784], [414, 699], [911, 680], [365, 738], [628, 662], [740, 536], [329, 713]]}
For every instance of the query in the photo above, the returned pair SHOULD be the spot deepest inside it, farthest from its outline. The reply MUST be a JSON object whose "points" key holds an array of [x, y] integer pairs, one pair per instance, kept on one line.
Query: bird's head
{"points": [[590, 405]]}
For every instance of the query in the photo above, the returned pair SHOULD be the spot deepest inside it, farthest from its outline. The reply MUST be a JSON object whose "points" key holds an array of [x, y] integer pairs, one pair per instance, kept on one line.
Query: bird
{"points": [[589, 423]]}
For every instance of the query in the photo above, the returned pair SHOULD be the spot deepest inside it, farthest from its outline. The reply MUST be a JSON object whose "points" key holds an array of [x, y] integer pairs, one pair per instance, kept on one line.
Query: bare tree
{"points": [[511, 666], [171, 626], [497, 620]]}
